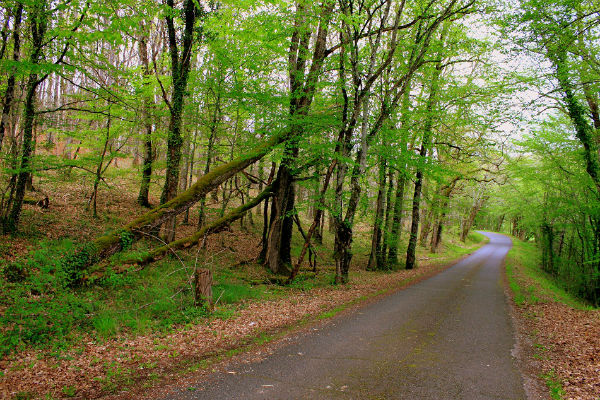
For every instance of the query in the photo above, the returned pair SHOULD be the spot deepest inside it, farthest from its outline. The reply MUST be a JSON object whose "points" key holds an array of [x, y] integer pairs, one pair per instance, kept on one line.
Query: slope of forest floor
{"points": [[134, 331], [560, 335], [130, 365]]}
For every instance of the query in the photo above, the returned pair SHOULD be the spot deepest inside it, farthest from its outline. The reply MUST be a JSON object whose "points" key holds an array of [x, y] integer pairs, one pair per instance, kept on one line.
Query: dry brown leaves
{"points": [[569, 342], [565, 343], [97, 369]]}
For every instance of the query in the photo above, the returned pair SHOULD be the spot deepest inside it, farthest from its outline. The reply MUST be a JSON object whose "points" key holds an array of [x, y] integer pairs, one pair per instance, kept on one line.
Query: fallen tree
{"points": [[113, 242], [206, 230]]}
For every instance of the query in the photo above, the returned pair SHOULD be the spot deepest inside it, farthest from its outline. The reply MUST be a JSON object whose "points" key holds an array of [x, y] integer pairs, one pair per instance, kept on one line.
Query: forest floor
{"points": [[560, 336], [141, 329]]}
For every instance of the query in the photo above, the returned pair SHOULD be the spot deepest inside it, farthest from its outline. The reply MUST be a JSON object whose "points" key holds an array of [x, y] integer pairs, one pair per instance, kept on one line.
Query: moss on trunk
{"points": [[110, 243]]}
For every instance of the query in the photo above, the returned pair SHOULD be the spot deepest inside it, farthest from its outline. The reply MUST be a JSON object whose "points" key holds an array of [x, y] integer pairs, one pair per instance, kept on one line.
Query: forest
{"points": [[161, 158]]}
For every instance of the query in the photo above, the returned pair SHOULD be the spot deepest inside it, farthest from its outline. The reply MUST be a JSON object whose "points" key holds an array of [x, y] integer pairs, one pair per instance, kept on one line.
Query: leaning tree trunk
{"points": [[112, 243], [468, 222], [209, 154], [202, 233], [319, 205]]}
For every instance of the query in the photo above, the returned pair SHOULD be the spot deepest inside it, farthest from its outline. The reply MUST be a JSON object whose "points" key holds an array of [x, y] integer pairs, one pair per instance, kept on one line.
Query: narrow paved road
{"points": [[449, 337]]}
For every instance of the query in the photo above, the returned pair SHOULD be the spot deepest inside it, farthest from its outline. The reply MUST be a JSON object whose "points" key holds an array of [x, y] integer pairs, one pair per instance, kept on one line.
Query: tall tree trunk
{"points": [[375, 261], [180, 68], [146, 117], [38, 25], [427, 137], [266, 222], [9, 93], [302, 90], [584, 131], [397, 219], [383, 262], [401, 177]]}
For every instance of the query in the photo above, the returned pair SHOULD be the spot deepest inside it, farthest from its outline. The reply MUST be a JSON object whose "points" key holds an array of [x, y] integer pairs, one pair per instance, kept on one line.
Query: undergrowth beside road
{"points": [[564, 330], [137, 326], [525, 257]]}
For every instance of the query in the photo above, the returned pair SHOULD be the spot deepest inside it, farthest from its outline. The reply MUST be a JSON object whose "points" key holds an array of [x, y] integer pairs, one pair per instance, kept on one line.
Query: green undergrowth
{"points": [[453, 248], [554, 386], [531, 285], [44, 306]]}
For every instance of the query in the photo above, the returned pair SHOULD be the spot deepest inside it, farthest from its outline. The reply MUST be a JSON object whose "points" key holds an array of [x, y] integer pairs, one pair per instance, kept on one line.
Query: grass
{"points": [[531, 285], [554, 385], [159, 298]]}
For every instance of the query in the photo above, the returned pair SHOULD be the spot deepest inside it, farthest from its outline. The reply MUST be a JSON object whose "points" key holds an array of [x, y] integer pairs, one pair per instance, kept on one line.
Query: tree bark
{"points": [[146, 116], [375, 261], [203, 287], [38, 25], [180, 68], [427, 137], [9, 93]]}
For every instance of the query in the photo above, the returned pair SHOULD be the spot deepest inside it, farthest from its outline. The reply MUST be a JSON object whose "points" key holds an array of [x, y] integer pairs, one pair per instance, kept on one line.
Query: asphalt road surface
{"points": [[448, 337]]}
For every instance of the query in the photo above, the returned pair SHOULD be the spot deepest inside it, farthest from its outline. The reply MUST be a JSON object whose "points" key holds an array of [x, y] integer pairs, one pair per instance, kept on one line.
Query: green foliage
{"points": [[228, 293], [523, 260], [69, 391], [554, 385], [41, 305]]}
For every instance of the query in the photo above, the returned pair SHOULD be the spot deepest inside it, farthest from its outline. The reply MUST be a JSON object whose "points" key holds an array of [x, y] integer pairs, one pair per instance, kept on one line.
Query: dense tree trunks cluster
{"points": [[302, 86]]}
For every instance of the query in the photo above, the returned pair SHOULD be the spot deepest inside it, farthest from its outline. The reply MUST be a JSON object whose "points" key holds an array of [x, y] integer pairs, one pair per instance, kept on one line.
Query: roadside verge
{"points": [[134, 367], [559, 336]]}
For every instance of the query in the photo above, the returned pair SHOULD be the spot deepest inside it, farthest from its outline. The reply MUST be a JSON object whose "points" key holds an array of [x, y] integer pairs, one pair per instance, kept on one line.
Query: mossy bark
{"points": [[180, 68], [110, 243], [206, 230]]}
